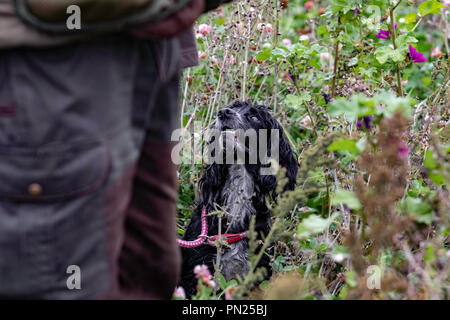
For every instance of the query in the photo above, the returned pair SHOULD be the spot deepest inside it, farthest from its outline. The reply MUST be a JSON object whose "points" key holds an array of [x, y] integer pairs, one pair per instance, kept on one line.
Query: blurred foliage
{"points": [[370, 127]]}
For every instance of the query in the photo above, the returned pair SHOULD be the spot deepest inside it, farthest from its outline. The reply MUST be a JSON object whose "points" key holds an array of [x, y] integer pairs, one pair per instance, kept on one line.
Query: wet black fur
{"points": [[211, 186]]}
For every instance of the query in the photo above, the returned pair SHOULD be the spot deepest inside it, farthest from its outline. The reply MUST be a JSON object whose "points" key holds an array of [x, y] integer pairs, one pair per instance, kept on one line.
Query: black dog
{"points": [[239, 190]]}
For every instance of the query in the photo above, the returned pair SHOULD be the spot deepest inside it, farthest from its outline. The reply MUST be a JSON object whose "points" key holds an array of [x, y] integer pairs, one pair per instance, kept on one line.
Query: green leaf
{"points": [[404, 40], [421, 211], [397, 55], [429, 256], [350, 279], [430, 7], [347, 197], [338, 5], [295, 102], [436, 178], [382, 54], [313, 225], [264, 285], [222, 281], [394, 103], [280, 53], [426, 81], [353, 61], [292, 101], [428, 161], [322, 31], [410, 18], [305, 97], [263, 55], [344, 145], [224, 285], [220, 21], [341, 106]]}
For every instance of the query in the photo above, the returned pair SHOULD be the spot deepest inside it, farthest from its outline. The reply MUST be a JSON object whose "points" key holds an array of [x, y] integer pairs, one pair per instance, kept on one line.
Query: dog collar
{"points": [[228, 237]]}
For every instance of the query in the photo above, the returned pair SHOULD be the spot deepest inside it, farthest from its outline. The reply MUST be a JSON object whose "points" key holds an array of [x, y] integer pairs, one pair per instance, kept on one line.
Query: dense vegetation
{"points": [[362, 88]]}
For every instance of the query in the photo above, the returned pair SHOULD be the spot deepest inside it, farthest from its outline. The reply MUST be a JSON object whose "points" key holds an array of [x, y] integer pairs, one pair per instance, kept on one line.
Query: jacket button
{"points": [[35, 189]]}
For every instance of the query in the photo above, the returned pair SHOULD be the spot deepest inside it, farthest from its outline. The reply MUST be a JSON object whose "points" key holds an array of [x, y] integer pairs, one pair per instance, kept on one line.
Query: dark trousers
{"points": [[86, 177]]}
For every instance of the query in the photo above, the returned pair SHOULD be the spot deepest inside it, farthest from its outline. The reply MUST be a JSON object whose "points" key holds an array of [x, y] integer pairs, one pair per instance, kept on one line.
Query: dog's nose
{"points": [[224, 113]]}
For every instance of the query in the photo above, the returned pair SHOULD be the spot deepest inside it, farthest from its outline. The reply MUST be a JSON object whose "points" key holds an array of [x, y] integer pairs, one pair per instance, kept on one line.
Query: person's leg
{"points": [[68, 151], [150, 260]]}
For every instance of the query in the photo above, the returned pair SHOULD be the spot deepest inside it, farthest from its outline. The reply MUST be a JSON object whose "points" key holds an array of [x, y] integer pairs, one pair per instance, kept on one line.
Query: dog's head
{"points": [[242, 115], [252, 130]]}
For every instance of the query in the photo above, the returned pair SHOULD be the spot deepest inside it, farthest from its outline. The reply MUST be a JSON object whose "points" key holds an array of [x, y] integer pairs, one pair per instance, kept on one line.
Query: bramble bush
{"points": [[362, 89]]}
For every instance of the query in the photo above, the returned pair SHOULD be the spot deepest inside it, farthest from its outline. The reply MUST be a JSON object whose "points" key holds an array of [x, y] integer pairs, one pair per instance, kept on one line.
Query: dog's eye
{"points": [[253, 118]]}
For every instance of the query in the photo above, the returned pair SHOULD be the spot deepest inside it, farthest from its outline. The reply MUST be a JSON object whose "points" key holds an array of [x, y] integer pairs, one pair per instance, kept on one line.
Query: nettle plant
{"points": [[362, 89]]}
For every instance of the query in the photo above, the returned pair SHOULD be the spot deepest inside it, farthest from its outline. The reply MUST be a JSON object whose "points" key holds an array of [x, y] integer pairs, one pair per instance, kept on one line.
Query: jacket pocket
{"points": [[53, 172]]}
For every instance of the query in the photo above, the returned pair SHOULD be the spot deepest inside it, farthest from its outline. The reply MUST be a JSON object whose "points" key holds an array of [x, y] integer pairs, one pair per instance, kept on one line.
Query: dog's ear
{"points": [[266, 108], [211, 182], [287, 157], [288, 160], [238, 104]]}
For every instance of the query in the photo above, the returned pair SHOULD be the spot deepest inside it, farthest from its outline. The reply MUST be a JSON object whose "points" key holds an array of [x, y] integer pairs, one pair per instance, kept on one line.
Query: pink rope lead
{"points": [[201, 238]]}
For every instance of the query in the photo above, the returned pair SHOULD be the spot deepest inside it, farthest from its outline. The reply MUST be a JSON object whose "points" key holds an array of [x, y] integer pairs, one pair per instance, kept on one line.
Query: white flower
{"points": [[304, 37], [305, 122], [338, 257], [286, 42], [204, 29]]}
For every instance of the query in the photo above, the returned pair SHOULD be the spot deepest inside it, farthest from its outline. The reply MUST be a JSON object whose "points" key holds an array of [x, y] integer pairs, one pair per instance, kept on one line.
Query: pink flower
{"points": [[384, 34], [266, 27], [403, 150], [286, 42], [416, 56], [446, 3], [202, 273], [325, 56], [179, 293], [309, 5], [231, 60], [436, 52], [215, 61], [306, 122], [229, 293], [204, 29]]}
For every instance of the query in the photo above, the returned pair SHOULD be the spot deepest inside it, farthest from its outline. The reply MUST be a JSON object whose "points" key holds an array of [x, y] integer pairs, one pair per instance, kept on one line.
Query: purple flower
{"points": [[384, 34], [366, 121], [346, 208], [291, 76], [403, 149], [416, 56], [356, 11], [325, 96]]}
